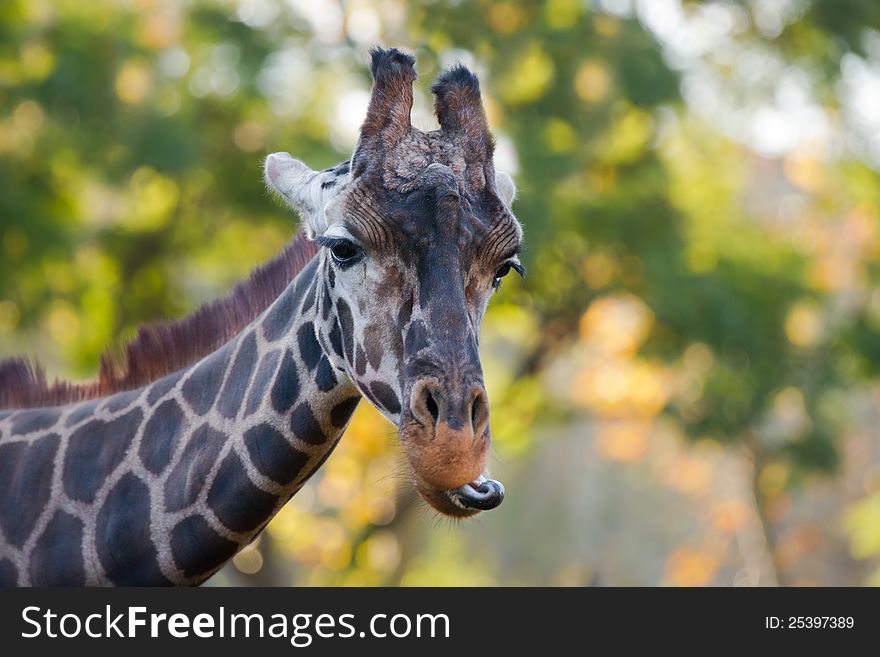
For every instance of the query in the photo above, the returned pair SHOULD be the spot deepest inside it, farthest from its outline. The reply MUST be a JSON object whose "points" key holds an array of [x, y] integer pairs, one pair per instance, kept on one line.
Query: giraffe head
{"points": [[417, 234]]}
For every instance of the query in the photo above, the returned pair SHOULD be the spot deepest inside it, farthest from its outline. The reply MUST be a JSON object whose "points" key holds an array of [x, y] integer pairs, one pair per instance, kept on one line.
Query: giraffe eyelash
{"points": [[329, 242]]}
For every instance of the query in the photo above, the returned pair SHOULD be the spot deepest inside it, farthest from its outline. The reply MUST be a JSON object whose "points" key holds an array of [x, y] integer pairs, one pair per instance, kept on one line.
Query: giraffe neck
{"points": [[165, 483]]}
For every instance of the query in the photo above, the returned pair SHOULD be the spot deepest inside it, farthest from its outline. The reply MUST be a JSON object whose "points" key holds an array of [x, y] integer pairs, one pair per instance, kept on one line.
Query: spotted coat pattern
{"points": [[164, 484]]}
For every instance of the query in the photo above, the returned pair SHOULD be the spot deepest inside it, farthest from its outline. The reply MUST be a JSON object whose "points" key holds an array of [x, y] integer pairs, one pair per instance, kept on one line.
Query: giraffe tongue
{"points": [[481, 494]]}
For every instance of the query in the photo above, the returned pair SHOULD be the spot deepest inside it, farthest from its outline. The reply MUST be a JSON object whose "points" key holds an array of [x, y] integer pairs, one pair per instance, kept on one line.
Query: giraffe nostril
{"points": [[431, 404], [479, 414], [425, 403]]}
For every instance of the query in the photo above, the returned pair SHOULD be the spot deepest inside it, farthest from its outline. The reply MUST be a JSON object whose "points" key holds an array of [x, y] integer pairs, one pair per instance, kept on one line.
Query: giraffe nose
{"points": [[431, 406]]}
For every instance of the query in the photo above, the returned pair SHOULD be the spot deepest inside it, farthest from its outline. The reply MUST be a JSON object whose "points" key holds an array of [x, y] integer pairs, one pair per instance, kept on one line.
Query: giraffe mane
{"points": [[163, 347]]}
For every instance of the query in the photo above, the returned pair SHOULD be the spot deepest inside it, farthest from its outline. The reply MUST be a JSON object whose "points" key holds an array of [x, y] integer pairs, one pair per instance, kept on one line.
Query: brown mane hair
{"points": [[163, 347]]}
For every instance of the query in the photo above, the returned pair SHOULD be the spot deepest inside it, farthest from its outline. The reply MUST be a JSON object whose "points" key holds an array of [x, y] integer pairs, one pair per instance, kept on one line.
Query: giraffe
{"points": [[175, 458]]}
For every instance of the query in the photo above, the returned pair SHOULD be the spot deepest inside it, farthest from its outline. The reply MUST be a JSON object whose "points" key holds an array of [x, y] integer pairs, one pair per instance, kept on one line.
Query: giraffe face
{"points": [[417, 234], [405, 296]]}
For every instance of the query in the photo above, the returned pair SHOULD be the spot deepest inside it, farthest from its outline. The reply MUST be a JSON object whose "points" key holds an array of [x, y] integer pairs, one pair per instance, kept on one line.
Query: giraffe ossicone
{"points": [[161, 470]]}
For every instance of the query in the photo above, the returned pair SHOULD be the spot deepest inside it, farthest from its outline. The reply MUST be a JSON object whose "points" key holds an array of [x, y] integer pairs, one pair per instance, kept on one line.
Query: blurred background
{"points": [[685, 389]]}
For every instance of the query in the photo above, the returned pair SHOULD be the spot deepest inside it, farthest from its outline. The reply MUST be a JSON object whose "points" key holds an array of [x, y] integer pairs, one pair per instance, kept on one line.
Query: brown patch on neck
{"points": [[164, 347]]}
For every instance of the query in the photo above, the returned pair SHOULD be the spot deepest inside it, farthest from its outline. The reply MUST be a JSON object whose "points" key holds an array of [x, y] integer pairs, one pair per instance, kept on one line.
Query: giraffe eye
{"points": [[343, 251], [504, 270], [500, 273]]}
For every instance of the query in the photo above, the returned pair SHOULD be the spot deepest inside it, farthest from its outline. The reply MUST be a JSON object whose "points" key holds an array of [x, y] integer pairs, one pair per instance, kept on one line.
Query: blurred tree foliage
{"points": [[677, 278]]}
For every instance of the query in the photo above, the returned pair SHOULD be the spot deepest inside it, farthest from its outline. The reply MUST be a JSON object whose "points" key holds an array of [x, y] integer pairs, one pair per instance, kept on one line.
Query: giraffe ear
{"points": [[505, 188], [303, 189]]}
